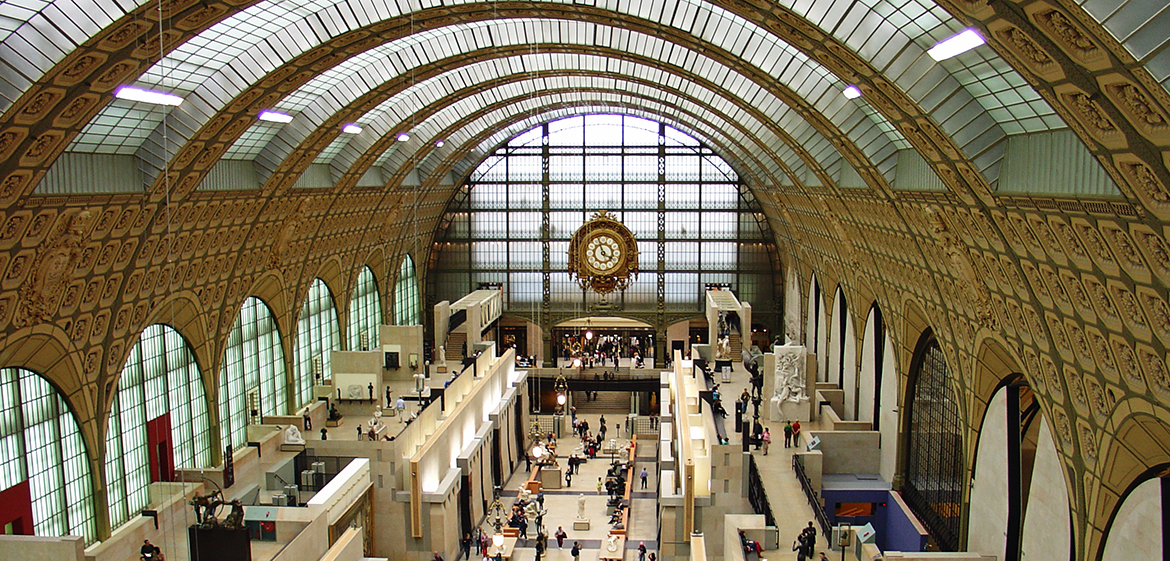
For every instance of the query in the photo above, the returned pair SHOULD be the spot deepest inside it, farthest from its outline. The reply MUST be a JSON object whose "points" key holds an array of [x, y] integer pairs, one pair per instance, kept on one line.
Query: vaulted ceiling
{"points": [[1015, 195]]}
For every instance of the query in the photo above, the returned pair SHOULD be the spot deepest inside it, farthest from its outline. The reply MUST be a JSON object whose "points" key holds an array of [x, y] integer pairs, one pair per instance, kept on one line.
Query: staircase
{"points": [[454, 350], [736, 347], [606, 402]]}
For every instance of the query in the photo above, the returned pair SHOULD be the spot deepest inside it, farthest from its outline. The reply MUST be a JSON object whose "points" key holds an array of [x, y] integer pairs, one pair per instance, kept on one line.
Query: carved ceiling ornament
{"points": [[1026, 50], [287, 233], [1138, 108], [1146, 185], [1068, 35], [961, 266], [51, 269]]}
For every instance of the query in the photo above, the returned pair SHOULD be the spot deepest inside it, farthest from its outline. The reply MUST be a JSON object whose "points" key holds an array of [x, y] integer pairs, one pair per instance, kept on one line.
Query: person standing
{"points": [[787, 434], [539, 547], [560, 535], [465, 545], [307, 419], [644, 475], [641, 551], [359, 432], [796, 432], [576, 551], [600, 485], [569, 477], [757, 432], [767, 438]]}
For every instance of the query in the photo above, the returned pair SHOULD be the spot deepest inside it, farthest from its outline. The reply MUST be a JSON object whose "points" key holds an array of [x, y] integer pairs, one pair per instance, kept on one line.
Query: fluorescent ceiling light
{"points": [[403, 137], [439, 144], [851, 92], [351, 129], [158, 98], [274, 117], [956, 45]]}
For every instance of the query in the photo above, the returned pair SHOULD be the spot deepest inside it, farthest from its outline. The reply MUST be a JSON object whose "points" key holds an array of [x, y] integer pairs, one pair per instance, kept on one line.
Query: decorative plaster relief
{"points": [[1141, 111], [1068, 35]]}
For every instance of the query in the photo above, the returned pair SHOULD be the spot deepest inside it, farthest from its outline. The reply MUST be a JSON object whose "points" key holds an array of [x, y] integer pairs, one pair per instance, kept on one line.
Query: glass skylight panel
{"points": [[252, 141]]}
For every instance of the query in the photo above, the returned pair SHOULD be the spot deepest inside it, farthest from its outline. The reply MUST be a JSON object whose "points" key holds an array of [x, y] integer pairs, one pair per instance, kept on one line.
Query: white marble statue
{"points": [[789, 395], [612, 542], [532, 510], [525, 494], [292, 435], [581, 506], [723, 350]]}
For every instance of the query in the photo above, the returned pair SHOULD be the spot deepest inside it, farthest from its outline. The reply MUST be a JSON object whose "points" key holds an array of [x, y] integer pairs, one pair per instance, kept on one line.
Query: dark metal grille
{"points": [[934, 463], [756, 495]]}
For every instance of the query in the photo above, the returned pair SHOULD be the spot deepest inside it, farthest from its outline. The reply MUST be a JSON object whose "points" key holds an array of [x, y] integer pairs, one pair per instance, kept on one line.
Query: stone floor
{"points": [[788, 503]]}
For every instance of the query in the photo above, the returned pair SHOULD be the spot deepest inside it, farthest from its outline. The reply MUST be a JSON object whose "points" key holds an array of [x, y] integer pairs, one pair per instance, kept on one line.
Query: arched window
{"points": [[160, 394], [252, 374], [406, 300], [365, 311], [317, 334], [41, 450], [934, 453], [679, 198]]}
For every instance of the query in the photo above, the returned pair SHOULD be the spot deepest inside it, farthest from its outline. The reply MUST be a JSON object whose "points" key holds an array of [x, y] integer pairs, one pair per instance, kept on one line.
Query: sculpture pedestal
{"points": [[790, 411], [581, 524], [550, 477], [219, 544]]}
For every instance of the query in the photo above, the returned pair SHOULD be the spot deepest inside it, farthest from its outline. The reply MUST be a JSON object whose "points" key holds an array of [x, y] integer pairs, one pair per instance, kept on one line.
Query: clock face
{"points": [[603, 253]]}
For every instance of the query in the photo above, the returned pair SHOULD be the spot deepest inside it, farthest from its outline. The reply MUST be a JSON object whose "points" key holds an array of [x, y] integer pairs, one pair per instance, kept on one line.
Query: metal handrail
{"points": [[811, 495], [757, 496]]}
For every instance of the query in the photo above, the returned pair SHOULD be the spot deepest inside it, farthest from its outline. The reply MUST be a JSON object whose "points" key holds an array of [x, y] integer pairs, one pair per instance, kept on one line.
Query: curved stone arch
{"points": [[122, 37], [923, 507], [183, 312], [89, 433], [398, 91], [393, 187], [842, 351], [995, 365], [47, 350], [277, 77], [518, 126], [269, 289], [375, 259], [880, 380], [738, 152], [548, 112], [1102, 532], [312, 146], [1140, 442], [394, 190]]}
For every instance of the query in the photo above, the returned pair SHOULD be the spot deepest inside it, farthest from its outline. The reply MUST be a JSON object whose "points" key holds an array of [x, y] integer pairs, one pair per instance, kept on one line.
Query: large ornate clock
{"points": [[603, 255]]}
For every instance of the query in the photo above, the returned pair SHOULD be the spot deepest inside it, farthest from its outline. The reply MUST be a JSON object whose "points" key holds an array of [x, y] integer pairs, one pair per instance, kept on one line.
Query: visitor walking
{"points": [[767, 438], [641, 551], [644, 475], [560, 535], [465, 545], [600, 485]]}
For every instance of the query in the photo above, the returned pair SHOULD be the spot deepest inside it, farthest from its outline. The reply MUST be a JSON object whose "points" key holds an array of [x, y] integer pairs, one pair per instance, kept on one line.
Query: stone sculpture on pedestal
{"points": [[789, 398], [292, 435]]}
